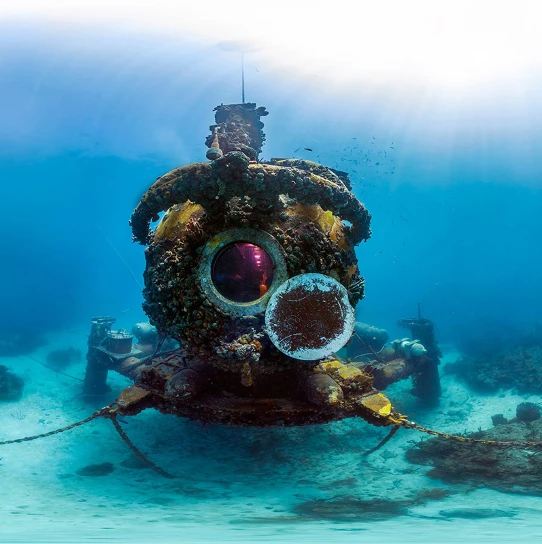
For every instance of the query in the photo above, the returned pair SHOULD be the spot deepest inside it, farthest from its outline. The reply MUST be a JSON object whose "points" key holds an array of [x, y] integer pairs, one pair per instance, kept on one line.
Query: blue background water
{"points": [[91, 116]]}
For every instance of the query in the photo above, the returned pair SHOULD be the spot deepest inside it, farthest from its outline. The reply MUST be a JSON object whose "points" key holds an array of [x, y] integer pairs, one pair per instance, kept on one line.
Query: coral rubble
{"points": [[518, 367], [504, 469], [351, 508]]}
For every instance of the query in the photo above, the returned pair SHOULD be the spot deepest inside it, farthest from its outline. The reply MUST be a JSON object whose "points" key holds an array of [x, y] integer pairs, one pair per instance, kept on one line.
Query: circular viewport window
{"points": [[242, 272]]}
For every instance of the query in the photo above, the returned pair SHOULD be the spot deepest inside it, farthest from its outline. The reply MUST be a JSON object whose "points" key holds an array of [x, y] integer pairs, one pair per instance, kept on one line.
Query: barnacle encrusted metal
{"points": [[213, 185], [252, 269]]}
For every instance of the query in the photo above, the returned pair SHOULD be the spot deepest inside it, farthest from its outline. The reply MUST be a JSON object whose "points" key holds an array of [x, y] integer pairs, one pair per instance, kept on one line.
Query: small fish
{"points": [[307, 149], [391, 147], [257, 70], [297, 150], [123, 421], [127, 310]]}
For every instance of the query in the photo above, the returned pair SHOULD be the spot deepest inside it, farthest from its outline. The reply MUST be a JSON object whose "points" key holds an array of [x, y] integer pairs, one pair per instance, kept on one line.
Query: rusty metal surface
{"points": [[279, 401], [309, 317]]}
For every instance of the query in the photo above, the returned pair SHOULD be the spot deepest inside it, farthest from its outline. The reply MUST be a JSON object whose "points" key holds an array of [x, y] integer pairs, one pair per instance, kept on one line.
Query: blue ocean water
{"points": [[90, 117]]}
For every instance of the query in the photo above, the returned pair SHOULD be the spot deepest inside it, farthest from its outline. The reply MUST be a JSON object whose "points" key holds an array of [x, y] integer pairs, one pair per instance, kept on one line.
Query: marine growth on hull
{"points": [[251, 268]]}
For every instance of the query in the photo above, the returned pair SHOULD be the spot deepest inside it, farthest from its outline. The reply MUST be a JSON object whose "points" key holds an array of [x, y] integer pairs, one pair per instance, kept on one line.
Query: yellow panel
{"points": [[345, 372], [378, 403], [174, 222], [310, 212], [327, 223]]}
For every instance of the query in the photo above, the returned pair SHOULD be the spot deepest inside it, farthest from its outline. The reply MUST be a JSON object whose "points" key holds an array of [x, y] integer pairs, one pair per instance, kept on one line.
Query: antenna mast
{"points": [[239, 47]]}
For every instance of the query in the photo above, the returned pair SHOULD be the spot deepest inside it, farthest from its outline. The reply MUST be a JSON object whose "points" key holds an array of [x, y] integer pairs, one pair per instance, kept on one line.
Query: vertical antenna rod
{"points": [[239, 47]]}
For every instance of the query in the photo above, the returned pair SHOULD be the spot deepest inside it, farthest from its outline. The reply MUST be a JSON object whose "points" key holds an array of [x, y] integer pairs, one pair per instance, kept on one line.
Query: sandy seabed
{"points": [[234, 484]]}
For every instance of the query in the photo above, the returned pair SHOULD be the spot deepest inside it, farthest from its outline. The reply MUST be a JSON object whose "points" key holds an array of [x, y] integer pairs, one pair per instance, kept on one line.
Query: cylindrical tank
{"points": [[119, 342]]}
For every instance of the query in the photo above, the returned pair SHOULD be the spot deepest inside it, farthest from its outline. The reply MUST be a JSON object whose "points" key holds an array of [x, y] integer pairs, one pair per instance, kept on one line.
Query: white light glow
{"points": [[341, 42]]}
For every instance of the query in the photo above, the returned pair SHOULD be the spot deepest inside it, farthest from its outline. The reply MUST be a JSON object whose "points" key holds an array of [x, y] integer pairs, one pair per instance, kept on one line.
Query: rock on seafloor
{"points": [[507, 469]]}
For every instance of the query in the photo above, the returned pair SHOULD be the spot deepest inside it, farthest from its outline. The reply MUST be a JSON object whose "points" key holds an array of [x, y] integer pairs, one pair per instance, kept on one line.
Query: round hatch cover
{"points": [[309, 317]]}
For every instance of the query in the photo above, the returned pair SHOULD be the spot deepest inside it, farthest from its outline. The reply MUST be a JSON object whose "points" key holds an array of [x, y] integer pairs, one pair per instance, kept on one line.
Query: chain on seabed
{"points": [[402, 421], [108, 412], [398, 421]]}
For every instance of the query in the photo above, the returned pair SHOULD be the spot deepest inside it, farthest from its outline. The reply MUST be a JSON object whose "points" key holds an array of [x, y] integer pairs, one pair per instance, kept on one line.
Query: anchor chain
{"points": [[107, 412], [104, 412], [403, 421]]}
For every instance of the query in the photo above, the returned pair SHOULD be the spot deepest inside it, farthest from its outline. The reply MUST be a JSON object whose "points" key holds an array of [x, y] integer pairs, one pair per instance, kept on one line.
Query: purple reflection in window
{"points": [[242, 272]]}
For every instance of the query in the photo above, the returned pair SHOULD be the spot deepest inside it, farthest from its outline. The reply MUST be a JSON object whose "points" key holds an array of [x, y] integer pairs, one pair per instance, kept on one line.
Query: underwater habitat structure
{"points": [[252, 270], [251, 285], [271, 273]]}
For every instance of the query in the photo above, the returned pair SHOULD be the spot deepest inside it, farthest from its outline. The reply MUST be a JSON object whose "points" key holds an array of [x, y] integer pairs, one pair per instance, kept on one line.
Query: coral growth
{"points": [[504, 469], [238, 128], [309, 240], [527, 411], [13, 345], [349, 508], [518, 367], [11, 385]]}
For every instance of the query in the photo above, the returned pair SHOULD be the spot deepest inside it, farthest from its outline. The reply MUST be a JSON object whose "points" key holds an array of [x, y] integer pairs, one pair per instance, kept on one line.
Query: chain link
{"points": [[399, 419], [134, 448], [104, 412], [107, 412]]}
